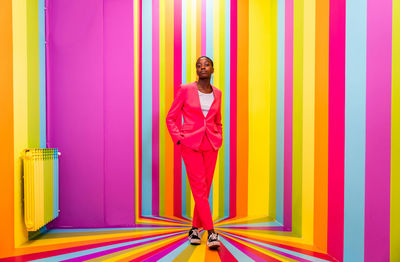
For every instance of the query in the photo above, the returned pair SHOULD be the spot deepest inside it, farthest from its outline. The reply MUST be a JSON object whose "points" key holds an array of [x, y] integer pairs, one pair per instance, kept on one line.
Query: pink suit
{"points": [[200, 137]]}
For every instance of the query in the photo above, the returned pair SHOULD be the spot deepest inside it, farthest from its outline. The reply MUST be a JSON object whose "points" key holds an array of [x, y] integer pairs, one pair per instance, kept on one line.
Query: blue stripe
{"points": [[176, 252], [184, 79], [354, 185], [55, 184], [146, 107], [264, 224], [42, 75], [227, 102], [84, 230], [209, 53], [100, 249], [280, 109], [239, 255], [287, 251]]}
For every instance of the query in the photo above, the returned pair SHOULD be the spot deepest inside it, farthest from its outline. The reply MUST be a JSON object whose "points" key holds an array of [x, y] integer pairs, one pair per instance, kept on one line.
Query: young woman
{"points": [[199, 138]]}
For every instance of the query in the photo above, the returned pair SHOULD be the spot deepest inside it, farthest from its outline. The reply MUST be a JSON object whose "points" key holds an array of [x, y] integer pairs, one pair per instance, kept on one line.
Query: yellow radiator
{"points": [[40, 187]]}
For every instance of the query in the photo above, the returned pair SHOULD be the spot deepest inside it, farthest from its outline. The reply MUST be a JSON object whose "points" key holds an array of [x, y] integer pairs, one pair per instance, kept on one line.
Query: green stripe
{"points": [[297, 115], [33, 73], [221, 198], [273, 97]]}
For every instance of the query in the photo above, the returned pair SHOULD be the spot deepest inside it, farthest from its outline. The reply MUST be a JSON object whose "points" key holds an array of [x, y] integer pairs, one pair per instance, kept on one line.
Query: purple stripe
{"points": [[114, 250], [203, 27], [288, 132], [155, 105], [167, 250], [261, 228], [246, 250], [270, 249], [378, 117]]}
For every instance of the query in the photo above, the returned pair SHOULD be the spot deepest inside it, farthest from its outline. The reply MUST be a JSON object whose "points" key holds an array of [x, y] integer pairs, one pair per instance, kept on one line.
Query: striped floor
{"points": [[242, 240]]}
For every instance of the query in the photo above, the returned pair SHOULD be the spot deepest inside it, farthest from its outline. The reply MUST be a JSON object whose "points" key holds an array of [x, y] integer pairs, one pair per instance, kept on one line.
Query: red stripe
{"points": [[51, 253], [177, 81], [233, 112], [158, 250], [251, 252], [225, 255], [337, 27], [155, 108], [299, 250]]}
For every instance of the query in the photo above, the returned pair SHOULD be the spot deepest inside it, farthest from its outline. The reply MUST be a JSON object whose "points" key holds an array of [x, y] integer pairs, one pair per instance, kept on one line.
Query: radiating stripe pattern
{"points": [[309, 166], [275, 72]]}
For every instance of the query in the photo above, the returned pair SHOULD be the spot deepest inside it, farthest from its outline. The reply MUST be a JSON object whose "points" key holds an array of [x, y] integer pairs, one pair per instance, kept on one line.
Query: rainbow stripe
{"points": [[310, 160]]}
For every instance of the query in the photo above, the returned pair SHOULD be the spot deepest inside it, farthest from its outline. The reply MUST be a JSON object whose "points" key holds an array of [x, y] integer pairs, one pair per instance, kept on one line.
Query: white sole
{"points": [[195, 241], [214, 245]]}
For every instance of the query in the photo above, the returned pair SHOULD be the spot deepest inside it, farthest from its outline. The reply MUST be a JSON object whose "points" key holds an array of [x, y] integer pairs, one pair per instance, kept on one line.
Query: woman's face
{"points": [[204, 68]]}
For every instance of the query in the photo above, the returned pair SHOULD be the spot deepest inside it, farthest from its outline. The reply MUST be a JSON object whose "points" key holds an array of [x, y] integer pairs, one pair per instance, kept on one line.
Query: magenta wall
{"points": [[90, 109]]}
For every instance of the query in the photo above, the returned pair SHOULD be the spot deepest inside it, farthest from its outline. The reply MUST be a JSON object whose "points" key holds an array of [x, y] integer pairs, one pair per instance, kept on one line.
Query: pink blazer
{"points": [[195, 124]]}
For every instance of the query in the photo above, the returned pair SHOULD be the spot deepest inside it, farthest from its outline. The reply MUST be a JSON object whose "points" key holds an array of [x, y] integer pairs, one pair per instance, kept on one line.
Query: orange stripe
{"points": [[198, 28], [169, 96], [321, 123], [242, 107], [6, 134]]}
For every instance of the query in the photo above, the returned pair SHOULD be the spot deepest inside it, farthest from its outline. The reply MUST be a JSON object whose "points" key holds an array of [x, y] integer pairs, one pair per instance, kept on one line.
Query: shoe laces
{"points": [[213, 237], [194, 232]]}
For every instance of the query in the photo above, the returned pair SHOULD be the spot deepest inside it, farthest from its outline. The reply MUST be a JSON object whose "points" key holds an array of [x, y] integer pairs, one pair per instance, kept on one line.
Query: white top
{"points": [[206, 101]]}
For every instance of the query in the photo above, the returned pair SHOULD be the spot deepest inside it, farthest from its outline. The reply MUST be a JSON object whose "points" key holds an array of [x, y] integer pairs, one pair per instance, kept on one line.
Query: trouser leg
{"points": [[196, 172], [210, 160]]}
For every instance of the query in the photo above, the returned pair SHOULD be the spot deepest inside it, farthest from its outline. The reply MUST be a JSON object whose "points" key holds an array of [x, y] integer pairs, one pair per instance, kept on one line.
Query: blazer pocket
{"points": [[186, 127]]}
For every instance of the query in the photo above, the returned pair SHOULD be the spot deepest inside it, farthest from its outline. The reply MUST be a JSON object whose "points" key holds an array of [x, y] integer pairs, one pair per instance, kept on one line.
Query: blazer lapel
{"points": [[196, 94], [214, 103]]}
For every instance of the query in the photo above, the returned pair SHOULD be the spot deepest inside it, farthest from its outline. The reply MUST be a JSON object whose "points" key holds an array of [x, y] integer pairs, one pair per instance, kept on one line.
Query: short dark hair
{"points": [[203, 56]]}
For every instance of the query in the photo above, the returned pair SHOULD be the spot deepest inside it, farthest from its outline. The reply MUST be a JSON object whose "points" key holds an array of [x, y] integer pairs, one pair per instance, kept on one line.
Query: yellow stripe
{"points": [[265, 251], [259, 107], [199, 252], [216, 83], [136, 55], [137, 251], [285, 238], [162, 109], [395, 168], [308, 121], [91, 238], [20, 110]]}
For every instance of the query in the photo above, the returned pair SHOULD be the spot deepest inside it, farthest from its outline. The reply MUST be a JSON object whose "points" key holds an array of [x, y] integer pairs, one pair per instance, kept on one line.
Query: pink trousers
{"points": [[200, 167]]}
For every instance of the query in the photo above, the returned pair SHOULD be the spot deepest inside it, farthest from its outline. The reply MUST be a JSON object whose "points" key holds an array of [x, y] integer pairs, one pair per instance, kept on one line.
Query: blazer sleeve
{"points": [[173, 114], [218, 117]]}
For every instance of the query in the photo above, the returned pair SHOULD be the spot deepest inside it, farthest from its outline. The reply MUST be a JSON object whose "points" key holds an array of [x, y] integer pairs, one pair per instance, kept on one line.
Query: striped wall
{"points": [[307, 115], [310, 157]]}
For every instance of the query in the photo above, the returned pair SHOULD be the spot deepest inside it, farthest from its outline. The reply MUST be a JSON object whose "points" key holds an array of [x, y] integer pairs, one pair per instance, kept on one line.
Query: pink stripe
{"points": [[336, 127], [155, 108], [288, 118], [233, 112], [378, 117], [177, 81], [140, 108], [203, 27]]}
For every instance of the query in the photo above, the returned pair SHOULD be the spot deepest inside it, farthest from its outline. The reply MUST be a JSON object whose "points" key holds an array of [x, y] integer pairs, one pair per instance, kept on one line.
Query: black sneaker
{"points": [[213, 241], [194, 236]]}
